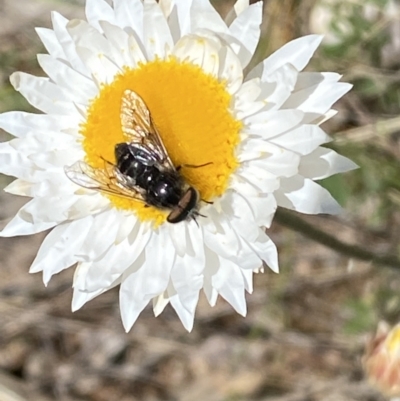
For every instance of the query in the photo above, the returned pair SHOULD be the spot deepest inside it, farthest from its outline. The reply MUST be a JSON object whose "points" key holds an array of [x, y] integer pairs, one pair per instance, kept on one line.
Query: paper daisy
{"points": [[241, 146]]}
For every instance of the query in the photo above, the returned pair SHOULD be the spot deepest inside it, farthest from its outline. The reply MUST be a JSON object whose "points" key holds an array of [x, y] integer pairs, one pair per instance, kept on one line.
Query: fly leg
{"points": [[192, 165]]}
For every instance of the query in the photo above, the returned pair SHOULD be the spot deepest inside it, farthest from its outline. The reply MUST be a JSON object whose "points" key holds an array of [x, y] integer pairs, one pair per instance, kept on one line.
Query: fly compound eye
{"points": [[185, 208]]}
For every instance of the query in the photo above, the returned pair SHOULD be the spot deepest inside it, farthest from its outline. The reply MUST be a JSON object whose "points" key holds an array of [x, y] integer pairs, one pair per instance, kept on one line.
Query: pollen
{"points": [[191, 111]]}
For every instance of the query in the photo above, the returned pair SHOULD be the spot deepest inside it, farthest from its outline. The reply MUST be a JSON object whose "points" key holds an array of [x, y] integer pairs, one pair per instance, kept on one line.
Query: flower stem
{"points": [[290, 220]]}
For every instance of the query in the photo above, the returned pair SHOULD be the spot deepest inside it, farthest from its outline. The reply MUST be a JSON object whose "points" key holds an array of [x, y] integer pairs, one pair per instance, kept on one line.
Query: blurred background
{"points": [[306, 329]]}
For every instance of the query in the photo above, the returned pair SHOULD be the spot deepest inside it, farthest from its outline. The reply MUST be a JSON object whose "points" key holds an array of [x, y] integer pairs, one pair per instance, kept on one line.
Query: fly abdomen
{"points": [[163, 190], [163, 194], [142, 170]]}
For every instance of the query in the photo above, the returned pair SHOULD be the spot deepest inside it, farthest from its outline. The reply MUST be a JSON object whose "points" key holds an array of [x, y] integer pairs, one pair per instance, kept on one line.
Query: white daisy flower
{"points": [[256, 139]]}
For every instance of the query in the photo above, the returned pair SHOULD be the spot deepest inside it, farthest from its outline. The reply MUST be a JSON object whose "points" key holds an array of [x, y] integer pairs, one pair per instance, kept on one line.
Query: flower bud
{"points": [[382, 359]]}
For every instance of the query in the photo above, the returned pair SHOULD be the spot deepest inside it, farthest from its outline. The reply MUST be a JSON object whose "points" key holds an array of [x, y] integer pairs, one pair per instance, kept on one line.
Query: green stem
{"points": [[290, 220]]}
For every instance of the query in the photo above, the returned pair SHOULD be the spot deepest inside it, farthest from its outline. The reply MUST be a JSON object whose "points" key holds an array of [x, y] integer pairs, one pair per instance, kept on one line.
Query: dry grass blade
{"points": [[371, 132]]}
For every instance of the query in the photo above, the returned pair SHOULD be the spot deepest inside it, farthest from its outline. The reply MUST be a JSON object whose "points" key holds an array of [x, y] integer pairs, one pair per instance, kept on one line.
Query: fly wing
{"points": [[138, 127], [104, 180]]}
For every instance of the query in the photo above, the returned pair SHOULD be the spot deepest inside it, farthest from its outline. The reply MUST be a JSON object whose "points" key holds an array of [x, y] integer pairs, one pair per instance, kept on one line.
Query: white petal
{"points": [[48, 160], [280, 162], [111, 265], [249, 91], [185, 314], [129, 14], [178, 235], [147, 278], [305, 196], [19, 123], [238, 8], [101, 67], [229, 283], [188, 282], [284, 79], [139, 238], [245, 188], [287, 74], [219, 237], [25, 188], [101, 236], [204, 15], [95, 51], [99, 10], [248, 280], [108, 268], [66, 42], [199, 51], [244, 257], [158, 264], [242, 215], [250, 212], [22, 224], [20, 161], [277, 86], [266, 250], [58, 250], [84, 35], [183, 8], [246, 28], [166, 7], [323, 163], [152, 278], [19, 187], [212, 265], [42, 142], [307, 79], [238, 250], [303, 139], [50, 42], [298, 52], [269, 124], [174, 23], [261, 180], [319, 98], [15, 163], [246, 100], [159, 303], [43, 94], [318, 119], [157, 37], [84, 205], [83, 88], [230, 70], [241, 6], [79, 298], [126, 226], [128, 48], [131, 304], [49, 209]]}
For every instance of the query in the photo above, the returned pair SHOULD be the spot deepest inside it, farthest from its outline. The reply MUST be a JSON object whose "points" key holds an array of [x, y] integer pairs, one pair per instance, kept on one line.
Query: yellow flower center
{"points": [[191, 112]]}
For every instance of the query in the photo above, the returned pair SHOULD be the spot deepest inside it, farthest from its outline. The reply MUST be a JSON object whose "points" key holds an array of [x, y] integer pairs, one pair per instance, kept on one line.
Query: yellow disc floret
{"points": [[191, 112]]}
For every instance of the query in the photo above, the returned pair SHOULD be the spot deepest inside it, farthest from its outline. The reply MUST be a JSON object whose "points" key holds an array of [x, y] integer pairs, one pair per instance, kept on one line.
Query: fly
{"points": [[142, 170]]}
